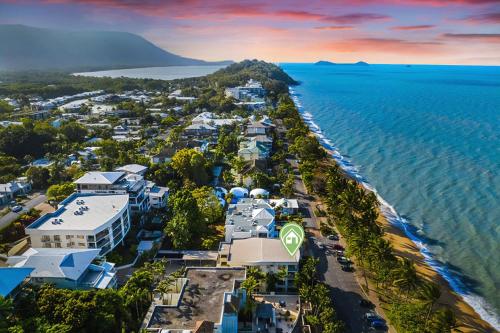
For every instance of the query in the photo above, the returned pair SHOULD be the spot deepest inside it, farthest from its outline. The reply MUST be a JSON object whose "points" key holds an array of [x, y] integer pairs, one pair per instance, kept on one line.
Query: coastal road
{"points": [[11, 216], [345, 290]]}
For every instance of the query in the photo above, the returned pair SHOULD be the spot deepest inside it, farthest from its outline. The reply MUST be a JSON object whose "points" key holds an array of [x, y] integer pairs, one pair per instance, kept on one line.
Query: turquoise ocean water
{"points": [[427, 139]]}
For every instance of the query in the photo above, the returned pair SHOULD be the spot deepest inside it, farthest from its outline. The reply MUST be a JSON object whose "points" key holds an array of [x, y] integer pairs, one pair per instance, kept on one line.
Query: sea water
{"points": [[427, 140]]}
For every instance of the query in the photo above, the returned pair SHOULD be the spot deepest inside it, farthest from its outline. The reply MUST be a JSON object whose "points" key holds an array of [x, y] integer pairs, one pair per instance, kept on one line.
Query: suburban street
{"points": [[11, 216]]}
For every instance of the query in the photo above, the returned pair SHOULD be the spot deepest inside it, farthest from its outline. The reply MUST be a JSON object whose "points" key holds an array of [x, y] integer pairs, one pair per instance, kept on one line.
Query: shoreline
{"points": [[406, 244]]}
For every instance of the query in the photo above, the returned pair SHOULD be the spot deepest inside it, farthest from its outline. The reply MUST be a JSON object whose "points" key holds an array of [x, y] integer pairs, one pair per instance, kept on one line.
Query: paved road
{"points": [[11, 216], [345, 290]]}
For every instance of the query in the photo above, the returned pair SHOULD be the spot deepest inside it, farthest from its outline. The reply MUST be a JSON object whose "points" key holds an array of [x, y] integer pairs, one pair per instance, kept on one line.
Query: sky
{"points": [[388, 31]]}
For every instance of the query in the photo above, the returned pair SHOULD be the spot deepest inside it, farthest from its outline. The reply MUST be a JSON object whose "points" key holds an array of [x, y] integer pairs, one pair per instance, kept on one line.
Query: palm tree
{"points": [[282, 274], [406, 278], [430, 293], [357, 246], [164, 287]]}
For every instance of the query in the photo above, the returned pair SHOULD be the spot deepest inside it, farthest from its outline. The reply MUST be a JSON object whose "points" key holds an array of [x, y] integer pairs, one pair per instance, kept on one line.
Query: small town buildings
{"points": [[251, 90], [255, 128], [211, 119], [15, 188], [83, 221], [42, 163], [66, 268], [250, 218], [259, 193], [268, 254], [12, 279]]}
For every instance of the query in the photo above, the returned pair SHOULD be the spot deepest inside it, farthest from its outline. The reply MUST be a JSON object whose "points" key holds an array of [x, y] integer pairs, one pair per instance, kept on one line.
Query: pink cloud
{"points": [[487, 18], [414, 27], [384, 45], [493, 38], [335, 27], [355, 18]]}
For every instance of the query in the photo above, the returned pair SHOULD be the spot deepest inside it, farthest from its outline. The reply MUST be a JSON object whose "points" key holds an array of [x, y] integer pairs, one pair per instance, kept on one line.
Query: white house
{"points": [[14, 188], [250, 218]]}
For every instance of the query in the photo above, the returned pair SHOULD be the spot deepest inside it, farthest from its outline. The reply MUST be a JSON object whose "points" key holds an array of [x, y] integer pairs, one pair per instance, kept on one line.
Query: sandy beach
{"points": [[467, 317]]}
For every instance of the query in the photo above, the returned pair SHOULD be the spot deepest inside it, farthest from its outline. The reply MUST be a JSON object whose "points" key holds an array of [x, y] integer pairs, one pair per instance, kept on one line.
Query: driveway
{"points": [[11, 216]]}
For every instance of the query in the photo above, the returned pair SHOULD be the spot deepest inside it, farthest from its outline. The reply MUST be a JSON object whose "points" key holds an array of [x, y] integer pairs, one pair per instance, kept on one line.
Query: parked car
{"points": [[338, 247], [372, 316], [16, 208], [343, 260], [347, 268], [321, 246], [365, 303], [378, 325], [333, 237], [339, 253]]}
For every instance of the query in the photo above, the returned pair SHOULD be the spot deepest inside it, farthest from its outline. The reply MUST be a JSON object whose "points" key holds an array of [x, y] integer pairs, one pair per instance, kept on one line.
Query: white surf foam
{"points": [[476, 302]]}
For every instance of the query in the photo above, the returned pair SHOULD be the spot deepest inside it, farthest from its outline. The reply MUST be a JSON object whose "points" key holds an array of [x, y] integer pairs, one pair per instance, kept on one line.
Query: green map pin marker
{"points": [[292, 236]]}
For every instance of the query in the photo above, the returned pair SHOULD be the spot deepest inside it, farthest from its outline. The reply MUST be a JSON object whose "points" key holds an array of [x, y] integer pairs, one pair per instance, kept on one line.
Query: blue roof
{"points": [[11, 277]]}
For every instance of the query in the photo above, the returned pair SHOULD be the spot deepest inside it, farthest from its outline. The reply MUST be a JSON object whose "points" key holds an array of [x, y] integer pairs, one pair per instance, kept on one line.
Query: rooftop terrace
{"points": [[202, 299]]}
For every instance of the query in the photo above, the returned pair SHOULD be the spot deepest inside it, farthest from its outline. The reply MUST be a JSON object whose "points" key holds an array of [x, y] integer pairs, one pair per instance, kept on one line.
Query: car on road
{"points": [[16, 208], [321, 246], [372, 316], [347, 267], [333, 237]]}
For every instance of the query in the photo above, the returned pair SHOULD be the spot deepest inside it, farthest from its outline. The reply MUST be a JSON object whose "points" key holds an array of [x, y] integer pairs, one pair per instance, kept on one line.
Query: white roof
{"points": [[59, 263], [283, 202], [98, 177], [259, 191], [101, 209], [239, 192], [260, 251], [132, 168]]}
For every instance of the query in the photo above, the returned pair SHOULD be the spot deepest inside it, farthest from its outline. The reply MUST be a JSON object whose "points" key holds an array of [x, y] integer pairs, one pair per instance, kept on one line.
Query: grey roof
{"points": [[56, 263], [250, 214], [99, 177], [132, 168]]}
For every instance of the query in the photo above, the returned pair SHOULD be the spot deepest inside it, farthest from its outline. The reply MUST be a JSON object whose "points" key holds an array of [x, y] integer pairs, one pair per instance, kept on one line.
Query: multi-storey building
{"points": [[83, 221]]}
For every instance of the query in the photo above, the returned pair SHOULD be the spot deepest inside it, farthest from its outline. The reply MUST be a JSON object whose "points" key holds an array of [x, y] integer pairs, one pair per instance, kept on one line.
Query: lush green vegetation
{"points": [[322, 316], [411, 299]]}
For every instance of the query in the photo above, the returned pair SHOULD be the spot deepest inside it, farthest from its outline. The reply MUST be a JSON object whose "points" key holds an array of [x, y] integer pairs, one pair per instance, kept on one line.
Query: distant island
{"points": [[31, 48], [329, 63]]}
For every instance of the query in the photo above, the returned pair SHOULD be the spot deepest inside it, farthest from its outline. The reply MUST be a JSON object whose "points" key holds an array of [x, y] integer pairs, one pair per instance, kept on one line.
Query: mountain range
{"points": [[30, 48]]}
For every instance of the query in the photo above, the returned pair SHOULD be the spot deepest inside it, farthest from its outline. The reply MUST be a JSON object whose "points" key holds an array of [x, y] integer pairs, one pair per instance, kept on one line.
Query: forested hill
{"points": [[29, 48]]}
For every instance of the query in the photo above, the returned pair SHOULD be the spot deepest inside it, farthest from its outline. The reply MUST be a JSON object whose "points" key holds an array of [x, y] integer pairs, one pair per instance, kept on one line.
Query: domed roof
{"points": [[239, 192], [259, 192]]}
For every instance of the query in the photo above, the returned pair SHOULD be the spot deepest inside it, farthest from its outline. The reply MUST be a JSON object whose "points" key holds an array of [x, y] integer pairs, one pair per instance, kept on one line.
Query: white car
{"points": [[16, 208]]}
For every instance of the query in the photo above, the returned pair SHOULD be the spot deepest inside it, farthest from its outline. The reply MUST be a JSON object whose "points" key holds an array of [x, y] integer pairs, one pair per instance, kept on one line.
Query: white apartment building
{"points": [[83, 221], [117, 182]]}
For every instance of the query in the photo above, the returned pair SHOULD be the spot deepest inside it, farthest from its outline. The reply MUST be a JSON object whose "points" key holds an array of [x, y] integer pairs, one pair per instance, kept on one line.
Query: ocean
{"points": [[427, 140], [157, 73]]}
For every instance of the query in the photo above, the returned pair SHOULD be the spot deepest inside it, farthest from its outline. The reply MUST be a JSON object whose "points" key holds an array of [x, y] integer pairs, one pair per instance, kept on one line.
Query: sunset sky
{"points": [[390, 31]]}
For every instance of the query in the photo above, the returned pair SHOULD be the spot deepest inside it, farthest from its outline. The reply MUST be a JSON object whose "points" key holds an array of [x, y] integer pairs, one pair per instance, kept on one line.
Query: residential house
{"points": [[268, 254], [66, 268], [133, 169], [253, 149], [166, 154], [200, 130], [83, 221], [116, 182], [250, 218], [158, 195], [14, 188], [285, 206]]}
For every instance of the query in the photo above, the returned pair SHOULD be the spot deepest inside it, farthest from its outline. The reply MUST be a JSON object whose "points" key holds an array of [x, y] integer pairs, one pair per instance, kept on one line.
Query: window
{"points": [[57, 245], [81, 244], [68, 236], [45, 238], [57, 238], [80, 236]]}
